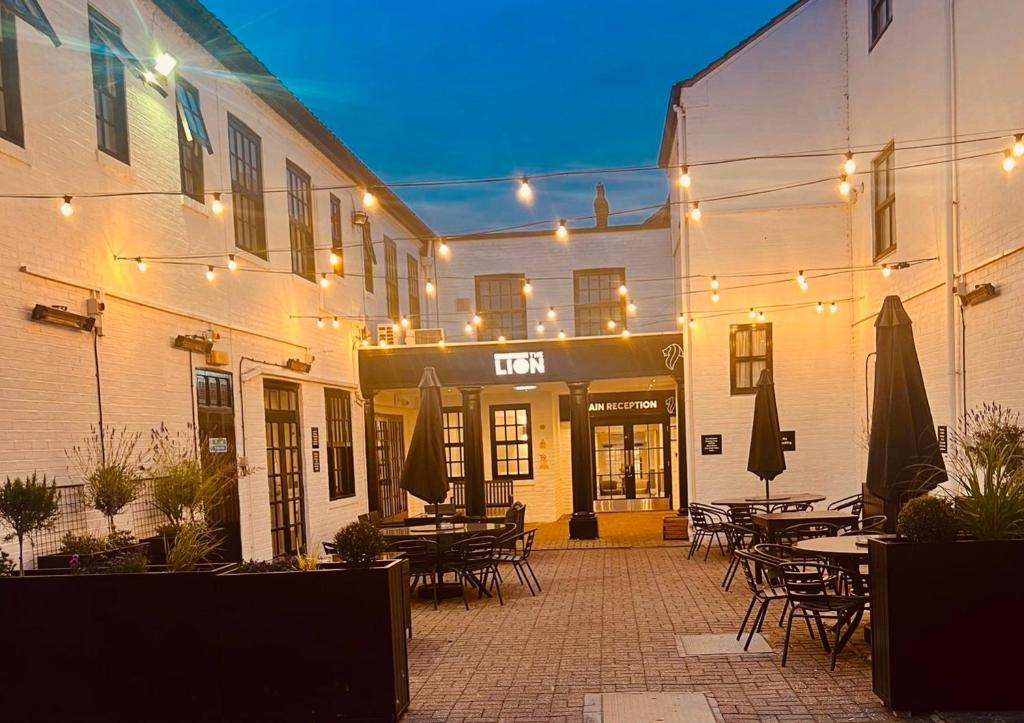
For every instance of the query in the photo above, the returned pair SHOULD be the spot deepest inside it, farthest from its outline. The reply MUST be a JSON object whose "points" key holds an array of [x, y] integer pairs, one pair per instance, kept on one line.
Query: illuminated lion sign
{"points": [[672, 353]]}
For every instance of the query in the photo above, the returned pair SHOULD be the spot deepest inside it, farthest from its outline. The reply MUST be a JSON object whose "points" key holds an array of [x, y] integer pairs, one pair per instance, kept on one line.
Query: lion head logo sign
{"points": [[670, 405], [672, 353]]}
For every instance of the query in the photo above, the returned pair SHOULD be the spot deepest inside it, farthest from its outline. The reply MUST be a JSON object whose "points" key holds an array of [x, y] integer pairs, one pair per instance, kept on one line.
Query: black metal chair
{"points": [[853, 503], [423, 562], [875, 523], [810, 594], [475, 561], [795, 507], [519, 557], [706, 523], [762, 588], [737, 537], [808, 531]]}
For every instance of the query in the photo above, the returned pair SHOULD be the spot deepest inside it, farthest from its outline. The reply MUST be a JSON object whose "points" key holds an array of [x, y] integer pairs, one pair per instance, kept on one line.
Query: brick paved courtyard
{"points": [[606, 622]]}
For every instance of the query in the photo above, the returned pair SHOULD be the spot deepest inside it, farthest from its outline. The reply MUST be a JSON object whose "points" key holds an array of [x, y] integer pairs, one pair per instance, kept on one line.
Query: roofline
{"points": [[207, 30], [669, 129], [653, 224]]}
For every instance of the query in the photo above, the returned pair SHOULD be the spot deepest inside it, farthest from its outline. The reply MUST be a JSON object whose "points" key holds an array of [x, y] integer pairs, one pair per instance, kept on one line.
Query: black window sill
{"points": [[348, 496]]}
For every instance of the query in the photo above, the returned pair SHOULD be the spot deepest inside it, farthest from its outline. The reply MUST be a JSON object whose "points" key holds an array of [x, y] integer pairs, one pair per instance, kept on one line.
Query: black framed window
{"points": [[412, 265], [750, 352], [341, 474], [109, 89], [300, 222], [391, 279], [190, 146], [501, 305], [883, 191], [11, 127], [246, 158], [337, 244], [454, 444], [511, 443], [369, 257], [596, 300], [881, 16]]}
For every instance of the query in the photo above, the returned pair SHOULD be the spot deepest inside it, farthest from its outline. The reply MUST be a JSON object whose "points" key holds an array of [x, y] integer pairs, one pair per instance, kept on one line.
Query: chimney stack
{"points": [[600, 208]]}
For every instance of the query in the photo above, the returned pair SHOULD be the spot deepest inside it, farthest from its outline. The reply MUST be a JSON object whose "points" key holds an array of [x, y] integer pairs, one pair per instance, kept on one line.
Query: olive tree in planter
{"points": [[27, 506], [109, 464], [359, 543], [936, 595]]}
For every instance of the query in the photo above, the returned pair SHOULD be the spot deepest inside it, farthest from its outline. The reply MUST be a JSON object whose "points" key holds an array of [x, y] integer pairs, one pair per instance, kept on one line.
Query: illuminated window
{"points": [[501, 304], [750, 352], [454, 446], [511, 443], [597, 300]]}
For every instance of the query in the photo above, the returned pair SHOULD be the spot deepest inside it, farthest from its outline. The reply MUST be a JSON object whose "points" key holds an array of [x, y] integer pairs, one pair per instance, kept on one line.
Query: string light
{"points": [[684, 177], [429, 288], [65, 208], [232, 264], [1018, 145], [477, 320], [525, 193], [335, 258], [681, 319], [395, 327], [552, 314], [210, 275], [369, 200], [844, 185], [760, 316], [714, 283], [833, 307], [335, 323], [625, 333], [468, 329], [324, 282], [405, 322], [692, 323], [886, 271], [440, 344], [443, 250], [382, 342], [695, 212], [365, 342], [527, 287], [623, 291], [1008, 160], [849, 165], [140, 264], [217, 206], [319, 323], [501, 338], [611, 325], [540, 327], [631, 307], [752, 314], [801, 281], [820, 307], [715, 297], [561, 333], [562, 233]]}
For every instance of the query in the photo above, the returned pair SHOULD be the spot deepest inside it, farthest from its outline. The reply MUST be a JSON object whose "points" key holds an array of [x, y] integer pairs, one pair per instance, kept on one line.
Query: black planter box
{"points": [[207, 646], [945, 625], [62, 560]]}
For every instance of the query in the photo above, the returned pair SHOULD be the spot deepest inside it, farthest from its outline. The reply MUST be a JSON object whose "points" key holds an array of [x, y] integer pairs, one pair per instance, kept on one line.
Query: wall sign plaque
{"points": [[710, 444]]}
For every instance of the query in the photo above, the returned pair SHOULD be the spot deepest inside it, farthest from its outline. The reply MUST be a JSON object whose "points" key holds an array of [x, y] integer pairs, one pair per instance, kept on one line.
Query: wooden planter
{"points": [[945, 625], [207, 646]]}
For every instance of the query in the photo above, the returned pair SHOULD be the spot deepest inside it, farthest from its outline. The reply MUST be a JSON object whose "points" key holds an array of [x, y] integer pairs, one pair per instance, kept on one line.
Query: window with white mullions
{"points": [[246, 162], [750, 352], [454, 446], [596, 301], [413, 281], [501, 304], [511, 443]]}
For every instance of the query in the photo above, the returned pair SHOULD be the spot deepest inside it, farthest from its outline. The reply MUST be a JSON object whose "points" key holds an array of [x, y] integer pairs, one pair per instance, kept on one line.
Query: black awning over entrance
{"points": [[524, 362]]}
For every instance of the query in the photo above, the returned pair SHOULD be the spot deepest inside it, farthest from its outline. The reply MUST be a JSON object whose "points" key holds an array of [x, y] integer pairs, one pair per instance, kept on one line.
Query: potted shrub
{"points": [[7, 565], [109, 466], [89, 550], [950, 585], [359, 543], [27, 506]]}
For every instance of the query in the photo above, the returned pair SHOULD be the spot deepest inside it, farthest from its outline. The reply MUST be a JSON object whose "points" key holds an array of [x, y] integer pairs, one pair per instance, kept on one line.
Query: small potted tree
{"points": [[359, 544], [109, 465], [27, 506]]}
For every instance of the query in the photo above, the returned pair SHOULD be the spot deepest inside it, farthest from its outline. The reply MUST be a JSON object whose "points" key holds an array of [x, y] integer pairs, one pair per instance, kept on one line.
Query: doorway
{"points": [[631, 460], [390, 463], [215, 411], [284, 468]]}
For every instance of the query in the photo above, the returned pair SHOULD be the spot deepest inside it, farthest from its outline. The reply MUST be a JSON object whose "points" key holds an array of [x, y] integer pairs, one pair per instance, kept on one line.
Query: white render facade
{"points": [[820, 76], [54, 377]]}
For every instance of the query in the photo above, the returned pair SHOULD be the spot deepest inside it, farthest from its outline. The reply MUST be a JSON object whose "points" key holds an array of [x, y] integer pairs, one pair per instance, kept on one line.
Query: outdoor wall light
{"points": [[297, 365], [359, 218], [443, 250], [165, 64], [525, 387], [60, 316], [217, 206], [980, 293]]}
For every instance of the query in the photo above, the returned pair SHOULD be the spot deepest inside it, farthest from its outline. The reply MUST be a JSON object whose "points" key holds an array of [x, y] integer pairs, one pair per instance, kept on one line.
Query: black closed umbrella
{"points": [[426, 475], [766, 458], [903, 452]]}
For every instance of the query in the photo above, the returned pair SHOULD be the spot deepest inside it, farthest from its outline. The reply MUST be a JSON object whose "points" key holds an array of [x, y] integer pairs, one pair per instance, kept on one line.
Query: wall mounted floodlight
{"points": [[359, 218], [194, 344], [60, 316]]}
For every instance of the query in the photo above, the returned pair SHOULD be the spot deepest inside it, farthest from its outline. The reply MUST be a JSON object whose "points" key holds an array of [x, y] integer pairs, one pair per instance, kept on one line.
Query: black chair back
{"points": [[741, 515], [703, 516]]}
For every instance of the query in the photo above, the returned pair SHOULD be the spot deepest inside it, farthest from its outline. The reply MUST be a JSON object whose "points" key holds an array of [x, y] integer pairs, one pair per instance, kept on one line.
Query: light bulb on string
{"points": [[540, 327], [692, 323], [801, 281], [760, 316], [527, 287], [217, 206], [695, 212], [210, 274], [562, 233], [681, 319], [623, 290], [552, 314], [715, 297], [140, 264], [714, 283], [405, 322], [886, 271], [844, 185], [1018, 145], [369, 200], [365, 342], [611, 325], [525, 193], [66, 210], [849, 165], [561, 333], [335, 258], [501, 338], [1008, 160], [443, 250], [429, 288], [335, 323], [468, 329], [631, 307], [232, 263], [684, 177], [752, 314], [820, 307], [477, 320], [625, 333], [833, 307], [319, 323], [324, 281], [395, 327]]}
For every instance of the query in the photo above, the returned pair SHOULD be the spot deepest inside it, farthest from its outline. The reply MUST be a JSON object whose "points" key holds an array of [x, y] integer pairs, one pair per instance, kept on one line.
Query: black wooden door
{"points": [[215, 407], [390, 463], [284, 468]]}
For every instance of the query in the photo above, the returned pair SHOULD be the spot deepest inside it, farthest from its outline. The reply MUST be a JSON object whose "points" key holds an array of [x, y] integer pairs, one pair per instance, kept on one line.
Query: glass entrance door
{"points": [[629, 460]]}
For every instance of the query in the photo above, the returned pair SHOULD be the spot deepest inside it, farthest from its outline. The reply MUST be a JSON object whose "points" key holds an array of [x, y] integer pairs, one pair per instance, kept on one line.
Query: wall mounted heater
{"points": [[60, 316], [297, 365], [194, 344]]}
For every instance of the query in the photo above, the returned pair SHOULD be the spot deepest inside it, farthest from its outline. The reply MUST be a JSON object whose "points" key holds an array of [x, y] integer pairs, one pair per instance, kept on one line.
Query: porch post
{"points": [[583, 523], [370, 440], [473, 443], [683, 466]]}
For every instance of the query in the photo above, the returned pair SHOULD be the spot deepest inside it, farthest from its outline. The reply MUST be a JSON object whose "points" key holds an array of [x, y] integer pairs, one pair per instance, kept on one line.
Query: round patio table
{"points": [[769, 502], [848, 552]]}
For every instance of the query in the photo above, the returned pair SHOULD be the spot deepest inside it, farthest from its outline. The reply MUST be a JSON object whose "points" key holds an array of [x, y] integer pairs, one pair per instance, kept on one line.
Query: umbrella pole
{"points": [[767, 492]]}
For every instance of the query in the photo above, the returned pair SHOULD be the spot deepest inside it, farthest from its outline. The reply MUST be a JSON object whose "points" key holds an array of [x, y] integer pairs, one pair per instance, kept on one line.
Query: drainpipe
{"points": [[952, 216], [686, 443]]}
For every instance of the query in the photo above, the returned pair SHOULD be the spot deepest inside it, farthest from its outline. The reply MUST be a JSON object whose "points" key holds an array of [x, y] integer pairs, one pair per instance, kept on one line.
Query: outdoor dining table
{"points": [[769, 503], [772, 524], [848, 552]]}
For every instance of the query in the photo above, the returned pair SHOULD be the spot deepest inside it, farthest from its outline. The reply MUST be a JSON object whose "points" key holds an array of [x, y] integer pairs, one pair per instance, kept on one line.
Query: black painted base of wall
{"points": [[583, 526]]}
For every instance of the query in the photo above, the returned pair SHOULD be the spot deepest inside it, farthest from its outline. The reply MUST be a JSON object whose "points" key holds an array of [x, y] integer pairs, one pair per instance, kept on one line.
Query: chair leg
{"points": [[695, 543], [497, 585], [823, 633], [789, 631], [785, 607], [750, 607], [711, 541], [756, 625], [524, 578], [465, 600], [437, 584], [529, 567]]}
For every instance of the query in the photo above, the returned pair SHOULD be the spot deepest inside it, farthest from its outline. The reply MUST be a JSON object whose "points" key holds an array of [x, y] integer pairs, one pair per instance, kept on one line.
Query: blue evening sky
{"points": [[460, 88]]}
